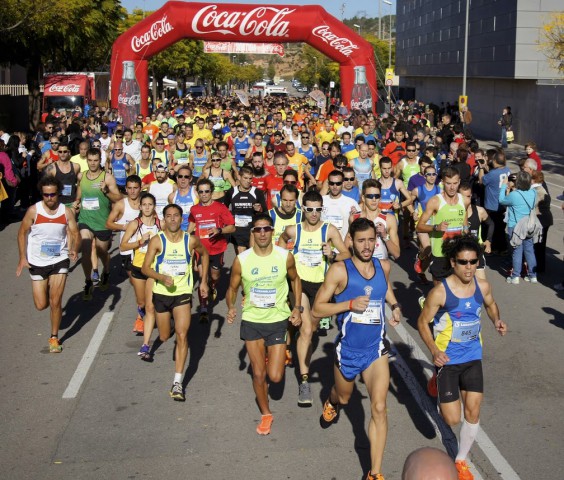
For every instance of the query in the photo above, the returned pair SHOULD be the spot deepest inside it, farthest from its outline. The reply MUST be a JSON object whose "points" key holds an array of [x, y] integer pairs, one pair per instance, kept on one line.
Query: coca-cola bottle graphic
{"points": [[129, 98], [361, 97]]}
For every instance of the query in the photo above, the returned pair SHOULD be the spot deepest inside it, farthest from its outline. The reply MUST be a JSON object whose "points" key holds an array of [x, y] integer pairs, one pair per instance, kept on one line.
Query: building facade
{"points": [[506, 65]]}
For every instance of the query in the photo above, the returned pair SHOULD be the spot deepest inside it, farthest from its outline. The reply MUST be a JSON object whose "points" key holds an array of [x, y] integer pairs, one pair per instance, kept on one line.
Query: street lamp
{"points": [[387, 2], [465, 69], [357, 26], [315, 75]]}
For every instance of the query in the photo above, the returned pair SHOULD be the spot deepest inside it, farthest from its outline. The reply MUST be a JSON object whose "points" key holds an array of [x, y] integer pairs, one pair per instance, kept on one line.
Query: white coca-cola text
{"points": [[69, 88], [341, 44], [268, 21], [129, 101], [365, 104], [158, 29]]}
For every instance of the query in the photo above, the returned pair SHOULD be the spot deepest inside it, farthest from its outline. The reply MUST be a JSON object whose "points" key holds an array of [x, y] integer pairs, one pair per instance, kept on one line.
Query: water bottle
{"points": [[361, 97], [129, 98]]}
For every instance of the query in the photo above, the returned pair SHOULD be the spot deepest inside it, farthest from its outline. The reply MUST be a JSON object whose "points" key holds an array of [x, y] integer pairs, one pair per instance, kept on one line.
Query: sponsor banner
{"points": [[65, 85], [157, 30], [248, 48], [341, 44]]}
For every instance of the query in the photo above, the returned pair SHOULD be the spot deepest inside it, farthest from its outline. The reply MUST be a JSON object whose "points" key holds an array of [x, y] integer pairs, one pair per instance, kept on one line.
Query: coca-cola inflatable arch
{"points": [[238, 23]]}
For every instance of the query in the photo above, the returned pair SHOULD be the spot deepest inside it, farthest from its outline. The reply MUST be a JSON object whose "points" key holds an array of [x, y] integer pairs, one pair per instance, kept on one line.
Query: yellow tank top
{"points": [[174, 260], [308, 251]]}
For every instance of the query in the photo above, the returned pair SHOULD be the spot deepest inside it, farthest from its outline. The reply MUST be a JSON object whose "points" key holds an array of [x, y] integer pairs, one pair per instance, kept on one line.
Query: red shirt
{"points": [[149, 178], [260, 182], [215, 215], [273, 187], [534, 155], [395, 151]]}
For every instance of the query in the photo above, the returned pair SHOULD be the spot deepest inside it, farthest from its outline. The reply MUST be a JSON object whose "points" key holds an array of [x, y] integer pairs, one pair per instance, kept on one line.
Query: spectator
{"points": [[429, 463], [544, 215], [10, 182], [506, 123], [531, 149]]}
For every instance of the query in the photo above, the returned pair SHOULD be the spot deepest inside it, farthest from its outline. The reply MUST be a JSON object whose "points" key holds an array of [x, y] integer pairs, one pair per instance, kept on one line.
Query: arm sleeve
{"points": [[490, 225]]}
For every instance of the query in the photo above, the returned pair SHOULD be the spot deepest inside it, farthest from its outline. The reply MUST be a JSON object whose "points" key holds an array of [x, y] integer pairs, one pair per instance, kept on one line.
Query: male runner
{"points": [[360, 287], [264, 271], [336, 206], [185, 196], [454, 307], [315, 242], [161, 188], [169, 262], [52, 238]]}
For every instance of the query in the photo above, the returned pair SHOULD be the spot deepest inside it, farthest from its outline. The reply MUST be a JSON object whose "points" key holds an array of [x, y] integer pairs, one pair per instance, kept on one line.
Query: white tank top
{"points": [[380, 250], [47, 240], [129, 214], [161, 191]]}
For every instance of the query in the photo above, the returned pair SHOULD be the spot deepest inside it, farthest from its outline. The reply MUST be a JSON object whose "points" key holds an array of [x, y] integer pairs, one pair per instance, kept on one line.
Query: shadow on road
{"points": [[558, 319]]}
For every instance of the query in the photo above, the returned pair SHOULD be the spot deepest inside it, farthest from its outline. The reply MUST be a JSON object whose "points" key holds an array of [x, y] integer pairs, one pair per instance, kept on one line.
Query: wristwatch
{"points": [[300, 309], [435, 227]]}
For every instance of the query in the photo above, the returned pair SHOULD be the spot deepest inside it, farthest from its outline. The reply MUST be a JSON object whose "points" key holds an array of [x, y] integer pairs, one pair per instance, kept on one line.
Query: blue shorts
{"points": [[352, 362]]}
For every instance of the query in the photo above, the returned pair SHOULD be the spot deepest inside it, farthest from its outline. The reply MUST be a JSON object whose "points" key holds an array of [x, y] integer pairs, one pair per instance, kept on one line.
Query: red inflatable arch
{"points": [[240, 23]]}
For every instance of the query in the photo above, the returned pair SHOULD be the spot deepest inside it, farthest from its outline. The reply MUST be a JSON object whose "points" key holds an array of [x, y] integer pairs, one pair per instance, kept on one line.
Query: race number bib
{"points": [[263, 297], [67, 191], [243, 220], [465, 331], [371, 316], [311, 258], [335, 220], [205, 228], [91, 203], [174, 268], [50, 249]]}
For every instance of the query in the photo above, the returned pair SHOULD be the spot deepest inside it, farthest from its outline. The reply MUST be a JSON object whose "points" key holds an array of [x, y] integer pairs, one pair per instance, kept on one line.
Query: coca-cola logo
{"points": [[69, 88], [341, 44], [129, 101], [268, 21], [157, 30], [364, 104]]}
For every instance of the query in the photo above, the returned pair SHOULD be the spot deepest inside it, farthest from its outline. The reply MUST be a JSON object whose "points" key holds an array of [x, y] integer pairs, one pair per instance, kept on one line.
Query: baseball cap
{"points": [[161, 166]]}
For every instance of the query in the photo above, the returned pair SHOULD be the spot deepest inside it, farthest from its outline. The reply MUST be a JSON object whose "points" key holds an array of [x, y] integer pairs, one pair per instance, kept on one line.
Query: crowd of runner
{"points": [[317, 205]]}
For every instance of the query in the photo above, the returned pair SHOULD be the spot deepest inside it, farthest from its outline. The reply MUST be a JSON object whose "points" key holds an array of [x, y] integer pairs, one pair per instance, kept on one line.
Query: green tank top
{"points": [[454, 215], [142, 172], [280, 224], [174, 260], [182, 156], [265, 286], [94, 205], [220, 184], [227, 164], [308, 252], [409, 170]]}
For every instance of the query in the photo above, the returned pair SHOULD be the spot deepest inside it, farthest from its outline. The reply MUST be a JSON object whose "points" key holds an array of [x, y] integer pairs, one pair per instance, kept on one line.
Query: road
{"points": [[117, 420]]}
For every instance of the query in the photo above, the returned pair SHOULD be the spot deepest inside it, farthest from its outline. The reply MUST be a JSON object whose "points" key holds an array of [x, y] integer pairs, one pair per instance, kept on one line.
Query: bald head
{"points": [[429, 464]]}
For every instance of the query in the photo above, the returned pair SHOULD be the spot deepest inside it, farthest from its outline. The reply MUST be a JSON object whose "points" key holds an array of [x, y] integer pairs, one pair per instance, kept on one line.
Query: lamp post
{"points": [[387, 2], [465, 68], [315, 75], [357, 26]]}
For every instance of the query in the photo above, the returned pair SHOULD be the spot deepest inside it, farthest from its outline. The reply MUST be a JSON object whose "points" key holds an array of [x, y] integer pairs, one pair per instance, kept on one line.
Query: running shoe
{"points": [[213, 294], [144, 349], [105, 281], [55, 345], [417, 265], [204, 318], [138, 327], [325, 323], [464, 472], [95, 277], [177, 392], [432, 386], [265, 424], [329, 415], [421, 301], [305, 398], [88, 289], [374, 476]]}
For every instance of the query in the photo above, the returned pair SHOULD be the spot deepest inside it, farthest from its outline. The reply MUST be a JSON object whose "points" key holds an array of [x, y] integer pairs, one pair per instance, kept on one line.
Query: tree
{"points": [[552, 42]]}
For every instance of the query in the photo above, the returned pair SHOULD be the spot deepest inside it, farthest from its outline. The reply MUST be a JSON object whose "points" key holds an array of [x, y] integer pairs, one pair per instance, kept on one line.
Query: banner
{"points": [[243, 97], [319, 98], [249, 48]]}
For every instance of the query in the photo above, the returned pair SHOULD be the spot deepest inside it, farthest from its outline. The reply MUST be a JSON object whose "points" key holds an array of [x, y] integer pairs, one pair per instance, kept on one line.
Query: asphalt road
{"points": [[119, 421]]}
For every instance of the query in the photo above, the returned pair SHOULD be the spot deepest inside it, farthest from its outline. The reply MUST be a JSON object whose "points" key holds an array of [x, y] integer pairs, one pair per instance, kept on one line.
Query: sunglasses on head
{"points": [[461, 261], [313, 209], [338, 184], [265, 229], [50, 195], [372, 196]]}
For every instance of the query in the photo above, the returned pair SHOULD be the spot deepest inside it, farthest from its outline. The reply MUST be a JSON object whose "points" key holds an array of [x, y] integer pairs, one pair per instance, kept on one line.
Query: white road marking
{"points": [[483, 441], [89, 356]]}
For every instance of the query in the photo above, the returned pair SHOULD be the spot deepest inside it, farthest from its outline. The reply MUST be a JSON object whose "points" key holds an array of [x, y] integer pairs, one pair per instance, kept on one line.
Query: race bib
{"points": [[67, 191], [174, 268], [311, 258], [371, 316], [465, 331], [50, 249], [452, 232], [205, 228], [91, 203], [182, 161], [120, 174], [335, 220], [263, 297], [243, 220]]}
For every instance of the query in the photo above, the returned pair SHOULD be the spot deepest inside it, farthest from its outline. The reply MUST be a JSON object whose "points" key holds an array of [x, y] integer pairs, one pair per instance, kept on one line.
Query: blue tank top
{"points": [[353, 193], [363, 330], [309, 155], [118, 170], [186, 202], [199, 163], [389, 196], [241, 147], [362, 171], [457, 326], [424, 195]]}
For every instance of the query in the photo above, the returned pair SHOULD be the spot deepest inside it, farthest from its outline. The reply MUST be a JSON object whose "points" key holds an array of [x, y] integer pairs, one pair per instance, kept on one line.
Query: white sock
{"points": [[177, 378], [468, 433]]}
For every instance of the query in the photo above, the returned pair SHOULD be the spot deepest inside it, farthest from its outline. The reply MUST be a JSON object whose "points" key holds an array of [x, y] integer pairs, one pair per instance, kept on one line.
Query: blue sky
{"points": [[351, 7]]}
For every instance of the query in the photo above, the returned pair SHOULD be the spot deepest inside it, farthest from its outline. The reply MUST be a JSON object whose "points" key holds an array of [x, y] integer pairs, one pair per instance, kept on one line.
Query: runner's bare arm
{"points": [[491, 307], [73, 234], [115, 214], [112, 191], [393, 244], [432, 206], [288, 233], [335, 238], [435, 299], [197, 246], [390, 297], [296, 282], [25, 227], [153, 250], [231, 294]]}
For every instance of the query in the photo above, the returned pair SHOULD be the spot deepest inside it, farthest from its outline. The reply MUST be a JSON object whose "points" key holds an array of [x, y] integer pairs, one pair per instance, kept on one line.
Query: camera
{"points": [[512, 178]]}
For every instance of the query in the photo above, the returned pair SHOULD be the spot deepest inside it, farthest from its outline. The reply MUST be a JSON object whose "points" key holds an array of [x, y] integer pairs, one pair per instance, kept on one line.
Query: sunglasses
{"points": [[460, 261], [199, 146], [430, 174], [372, 196], [55, 143], [216, 159], [349, 179], [290, 182], [240, 131], [159, 143], [96, 146], [305, 136], [204, 191], [266, 229], [118, 149], [313, 209], [63, 151], [50, 195], [411, 150], [338, 184], [184, 176], [119, 136]]}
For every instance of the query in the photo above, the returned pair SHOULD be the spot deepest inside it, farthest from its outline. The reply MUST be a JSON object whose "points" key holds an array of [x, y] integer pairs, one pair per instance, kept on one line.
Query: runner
{"points": [[391, 189], [313, 241], [48, 239], [143, 166], [169, 262], [96, 190], [336, 206], [221, 179], [264, 271], [67, 173], [136, 237], [456, 346], [161, 188], [360, 287], [185, 196], [120, 165]]}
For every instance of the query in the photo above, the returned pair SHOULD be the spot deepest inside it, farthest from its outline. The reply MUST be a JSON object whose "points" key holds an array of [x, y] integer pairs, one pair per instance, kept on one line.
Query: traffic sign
{"points": [[462, 101], [389, 82]]}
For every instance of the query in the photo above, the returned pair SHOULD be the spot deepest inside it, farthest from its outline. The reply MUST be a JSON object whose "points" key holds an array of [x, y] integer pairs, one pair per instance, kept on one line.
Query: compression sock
{"points": [[177, 378], [468, 433]]}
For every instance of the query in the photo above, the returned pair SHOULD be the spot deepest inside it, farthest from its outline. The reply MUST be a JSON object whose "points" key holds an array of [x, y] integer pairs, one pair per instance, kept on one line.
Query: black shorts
{"points": [[310, 289], [102, 235], [126, 262], [43, 273], [241, 237], [271, 333], [463, 376], [440, 267], [136, 273], [167, 303]]}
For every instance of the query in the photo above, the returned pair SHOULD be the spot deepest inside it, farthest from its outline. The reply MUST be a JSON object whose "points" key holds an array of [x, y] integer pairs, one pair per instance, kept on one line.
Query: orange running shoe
{"points": [[138, 327], [432, 386], [463, 470], [55, 345], [329, 415], [417, 265], [263, 427], [374, 476]]}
